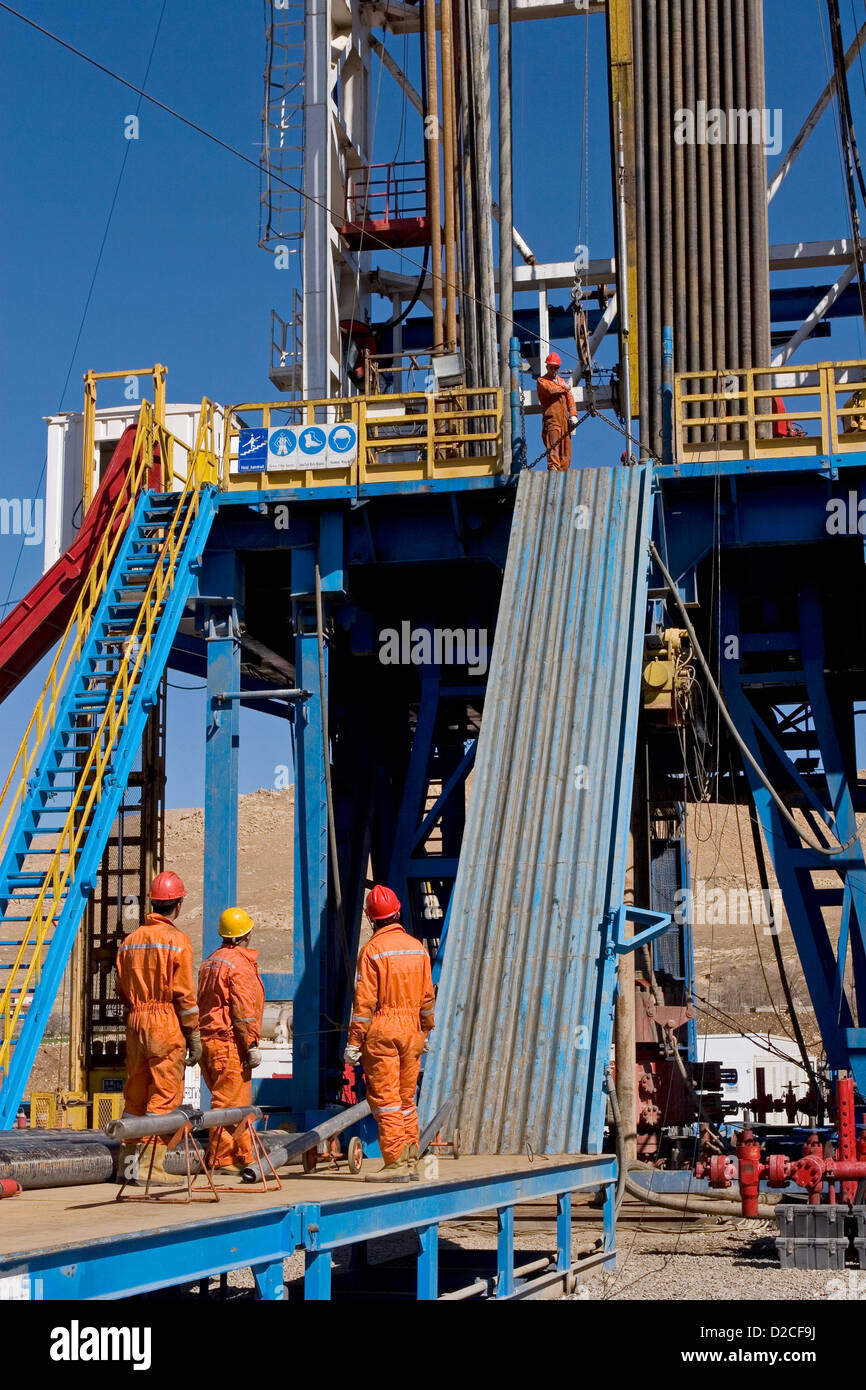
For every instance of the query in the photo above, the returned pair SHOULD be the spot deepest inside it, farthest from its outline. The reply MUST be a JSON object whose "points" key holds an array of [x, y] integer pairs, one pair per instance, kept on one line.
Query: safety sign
{"points": [[252, 451], [284, 448]]}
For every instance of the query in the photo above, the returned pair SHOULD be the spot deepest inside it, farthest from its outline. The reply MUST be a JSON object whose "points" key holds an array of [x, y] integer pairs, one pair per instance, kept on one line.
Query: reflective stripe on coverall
{"points": [[155, 981], [391, 1016], [557, 404], [231, 999]]}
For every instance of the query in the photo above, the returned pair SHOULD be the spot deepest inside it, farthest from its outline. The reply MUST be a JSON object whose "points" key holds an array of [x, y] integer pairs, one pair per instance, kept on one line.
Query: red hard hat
{"points": [[167, 887], [553, 359], [381, 903]]}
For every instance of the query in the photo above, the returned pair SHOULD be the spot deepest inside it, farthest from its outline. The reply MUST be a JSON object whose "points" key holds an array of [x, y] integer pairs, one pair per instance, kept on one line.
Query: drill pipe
{"points": [[175, 1161], [40, 1164], [141, 1126], [212, 1119], [299, 1143]]}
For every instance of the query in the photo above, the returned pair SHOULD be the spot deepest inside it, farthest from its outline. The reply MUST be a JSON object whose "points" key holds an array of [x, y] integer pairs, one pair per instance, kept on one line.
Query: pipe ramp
{"points": [[525, 1003]]}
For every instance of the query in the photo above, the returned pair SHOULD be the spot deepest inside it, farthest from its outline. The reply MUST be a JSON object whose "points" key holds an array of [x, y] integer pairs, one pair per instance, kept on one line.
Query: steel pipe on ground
{"points": [[297, 1144]]}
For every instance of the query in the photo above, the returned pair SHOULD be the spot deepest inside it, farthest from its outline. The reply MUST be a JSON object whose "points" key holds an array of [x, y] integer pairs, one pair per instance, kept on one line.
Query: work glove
{"points": [[572, 422], [352, 1055], [254, 1057], [193, 1049]]}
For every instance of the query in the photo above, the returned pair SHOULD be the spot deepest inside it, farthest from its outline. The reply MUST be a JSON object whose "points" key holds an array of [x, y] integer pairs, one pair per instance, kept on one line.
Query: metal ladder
{"points": [[85, 731], [282, 159]]}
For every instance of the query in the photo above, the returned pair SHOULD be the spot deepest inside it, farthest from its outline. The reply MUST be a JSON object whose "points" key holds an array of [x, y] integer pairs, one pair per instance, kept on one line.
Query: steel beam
{"points": [[310, 880], [428, 1264], [221, 576], [814, 116]]}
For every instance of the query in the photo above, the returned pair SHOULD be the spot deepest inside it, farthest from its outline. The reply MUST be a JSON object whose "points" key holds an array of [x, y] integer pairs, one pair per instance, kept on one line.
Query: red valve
{"points": [[749, 1161]]}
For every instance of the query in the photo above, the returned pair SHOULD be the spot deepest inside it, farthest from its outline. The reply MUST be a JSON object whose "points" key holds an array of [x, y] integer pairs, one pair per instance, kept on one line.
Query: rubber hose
{"points": [[706, 1204], [619, 1140]]}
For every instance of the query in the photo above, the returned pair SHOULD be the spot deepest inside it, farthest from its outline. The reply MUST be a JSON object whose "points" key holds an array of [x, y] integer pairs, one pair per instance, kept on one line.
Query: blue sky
{"points": [[182, 280]]}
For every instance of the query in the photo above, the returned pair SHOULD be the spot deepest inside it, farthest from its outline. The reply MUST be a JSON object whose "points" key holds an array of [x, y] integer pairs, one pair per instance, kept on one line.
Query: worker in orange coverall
{"points": [[231, 999], [155, 983], [392, 1014], [558, 415]]}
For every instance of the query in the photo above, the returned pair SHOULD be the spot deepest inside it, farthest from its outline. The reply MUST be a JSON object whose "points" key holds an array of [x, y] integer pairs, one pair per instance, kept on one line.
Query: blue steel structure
{"points": [[163, 1257], [776, 582]]}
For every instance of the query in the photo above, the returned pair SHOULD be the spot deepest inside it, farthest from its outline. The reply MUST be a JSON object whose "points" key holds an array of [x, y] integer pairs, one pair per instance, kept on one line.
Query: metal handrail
{"points": [[365, 196], [418, 421], [742, 388]]}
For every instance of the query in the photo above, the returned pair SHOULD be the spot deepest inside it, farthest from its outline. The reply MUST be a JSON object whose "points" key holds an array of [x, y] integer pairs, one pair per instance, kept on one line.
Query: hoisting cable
{"points": [[808, 839], [329, 795]]}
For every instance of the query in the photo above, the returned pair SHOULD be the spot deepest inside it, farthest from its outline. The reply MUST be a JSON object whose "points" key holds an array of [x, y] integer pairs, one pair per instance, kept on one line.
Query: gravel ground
{"points": [[727, 1262]]}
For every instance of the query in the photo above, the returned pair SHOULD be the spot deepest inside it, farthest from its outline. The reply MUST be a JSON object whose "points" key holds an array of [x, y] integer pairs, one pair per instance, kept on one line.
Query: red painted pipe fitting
{"points": [[721, 1171], [749, 1163], [778, 1170]]}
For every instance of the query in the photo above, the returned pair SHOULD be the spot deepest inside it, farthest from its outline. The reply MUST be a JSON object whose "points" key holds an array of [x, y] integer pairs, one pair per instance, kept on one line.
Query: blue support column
{"points": [[609, 1224], [311, 880], [428, 1264], [269, 1281], [415, 789], [220, 576], [563, 1231], [317, 1275], [505, 1252]]}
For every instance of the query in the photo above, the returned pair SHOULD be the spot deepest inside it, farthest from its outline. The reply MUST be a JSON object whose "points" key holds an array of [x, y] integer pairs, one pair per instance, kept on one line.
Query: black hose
{"points": [[619, 1140]]}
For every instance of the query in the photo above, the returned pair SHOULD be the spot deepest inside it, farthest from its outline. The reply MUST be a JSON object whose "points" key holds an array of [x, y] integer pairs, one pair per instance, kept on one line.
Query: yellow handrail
{"points": [[424, 425], [69, 648], [739, 402], [61, 868]]}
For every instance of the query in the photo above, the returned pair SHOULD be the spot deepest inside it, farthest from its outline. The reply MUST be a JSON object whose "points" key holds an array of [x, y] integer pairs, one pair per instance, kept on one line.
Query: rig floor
{"points": [[81, 1243]]}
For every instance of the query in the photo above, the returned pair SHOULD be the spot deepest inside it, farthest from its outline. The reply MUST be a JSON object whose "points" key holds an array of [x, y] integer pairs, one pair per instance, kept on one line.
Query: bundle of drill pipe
{"points": [[42, 1158], [38, 1158]]}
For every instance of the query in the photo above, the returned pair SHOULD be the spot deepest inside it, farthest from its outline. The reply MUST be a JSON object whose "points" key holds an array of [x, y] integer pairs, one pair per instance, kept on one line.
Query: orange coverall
{"points": [[155, 981], [231, 998], [557, 404], [391, 1017]]}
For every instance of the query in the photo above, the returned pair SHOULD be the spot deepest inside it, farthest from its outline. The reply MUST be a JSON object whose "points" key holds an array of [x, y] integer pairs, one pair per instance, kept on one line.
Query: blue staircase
{"points": [[55, 844]]}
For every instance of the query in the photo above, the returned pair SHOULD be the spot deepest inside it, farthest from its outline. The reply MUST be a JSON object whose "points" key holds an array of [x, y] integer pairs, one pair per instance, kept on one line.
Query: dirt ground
{"points": [[265, 850]]}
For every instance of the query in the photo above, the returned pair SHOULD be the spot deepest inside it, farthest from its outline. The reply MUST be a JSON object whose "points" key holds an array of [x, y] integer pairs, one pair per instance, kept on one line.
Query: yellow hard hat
{"points": [[235, 923]]}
